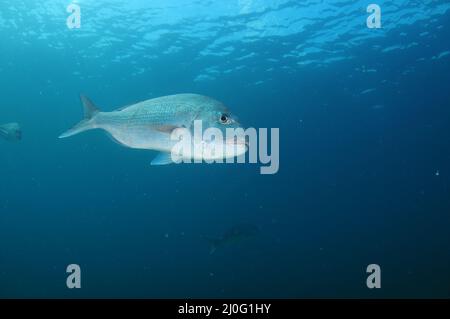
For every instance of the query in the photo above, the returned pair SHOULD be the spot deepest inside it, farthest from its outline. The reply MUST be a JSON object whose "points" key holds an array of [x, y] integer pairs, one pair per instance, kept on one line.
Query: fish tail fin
{"points": [[90, 110]]}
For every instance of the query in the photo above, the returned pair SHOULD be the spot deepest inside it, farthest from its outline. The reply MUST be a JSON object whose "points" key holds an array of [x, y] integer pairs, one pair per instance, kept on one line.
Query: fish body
{"points": [[151, 123], [11, 132]]}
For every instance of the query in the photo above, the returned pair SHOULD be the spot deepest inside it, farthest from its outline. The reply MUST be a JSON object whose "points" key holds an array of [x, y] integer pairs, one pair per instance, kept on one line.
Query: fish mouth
{"points": [[237, 141]]}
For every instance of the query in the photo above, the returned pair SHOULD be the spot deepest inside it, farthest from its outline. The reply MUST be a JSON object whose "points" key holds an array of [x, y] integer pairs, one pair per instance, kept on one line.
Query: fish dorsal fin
{"points": [[123, 107], [128, 105], [89, 107], [162, 159]]}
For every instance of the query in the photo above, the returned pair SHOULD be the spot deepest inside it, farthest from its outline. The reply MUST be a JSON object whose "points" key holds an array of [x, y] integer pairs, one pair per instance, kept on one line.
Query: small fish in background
{"points": [[441, 55], [149, 124], [11, 132], [367, 91], [233, 235]]}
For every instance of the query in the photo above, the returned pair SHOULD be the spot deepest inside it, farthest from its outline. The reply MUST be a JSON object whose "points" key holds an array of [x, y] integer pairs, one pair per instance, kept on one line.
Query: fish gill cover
{"points": [[364, 124]]}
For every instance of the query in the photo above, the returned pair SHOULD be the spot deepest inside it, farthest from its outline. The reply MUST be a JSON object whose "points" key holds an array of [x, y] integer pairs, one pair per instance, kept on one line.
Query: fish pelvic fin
{"points": [[90, 110], [164, 159]]}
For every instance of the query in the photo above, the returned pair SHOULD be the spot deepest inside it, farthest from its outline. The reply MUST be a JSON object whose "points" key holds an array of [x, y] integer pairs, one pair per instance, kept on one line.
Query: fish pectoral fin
{"points": [[167, 128], [162, 159]]}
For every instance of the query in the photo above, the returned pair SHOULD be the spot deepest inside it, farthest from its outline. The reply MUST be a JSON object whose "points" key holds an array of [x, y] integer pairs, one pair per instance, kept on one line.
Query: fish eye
{"points": [[224, 119]]}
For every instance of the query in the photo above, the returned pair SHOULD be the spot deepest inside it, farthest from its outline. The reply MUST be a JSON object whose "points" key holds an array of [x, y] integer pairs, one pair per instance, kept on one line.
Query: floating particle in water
{"points": [[437, 173]]}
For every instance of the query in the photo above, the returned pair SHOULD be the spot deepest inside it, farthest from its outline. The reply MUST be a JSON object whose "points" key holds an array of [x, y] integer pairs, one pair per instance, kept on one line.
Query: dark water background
{"points": [[364, 178]]}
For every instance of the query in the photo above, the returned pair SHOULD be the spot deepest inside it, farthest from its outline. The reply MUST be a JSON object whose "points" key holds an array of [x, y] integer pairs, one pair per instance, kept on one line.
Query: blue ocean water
{"points": [[364, 123]]}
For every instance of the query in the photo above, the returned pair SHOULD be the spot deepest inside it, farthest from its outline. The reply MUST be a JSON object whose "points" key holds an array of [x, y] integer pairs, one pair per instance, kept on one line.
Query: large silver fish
{"points": [[150, 124], [11, 132]]}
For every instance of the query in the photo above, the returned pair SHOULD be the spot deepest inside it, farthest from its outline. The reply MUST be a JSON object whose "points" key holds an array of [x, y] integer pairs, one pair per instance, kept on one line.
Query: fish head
{"points": [[231, 142]]}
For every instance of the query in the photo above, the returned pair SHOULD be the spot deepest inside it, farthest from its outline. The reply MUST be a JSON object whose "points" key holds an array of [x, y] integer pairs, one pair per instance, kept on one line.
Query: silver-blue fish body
{"points": [[150, 124]]}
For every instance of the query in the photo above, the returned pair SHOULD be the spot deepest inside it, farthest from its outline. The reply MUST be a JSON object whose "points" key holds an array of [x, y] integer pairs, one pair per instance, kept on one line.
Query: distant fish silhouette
{"points": [[233, 235], [11, 132], [367, 91]]}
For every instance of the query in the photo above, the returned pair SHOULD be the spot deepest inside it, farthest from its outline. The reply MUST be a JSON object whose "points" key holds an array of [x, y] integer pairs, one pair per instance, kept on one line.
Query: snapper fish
{"points": [[150, 125]]}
